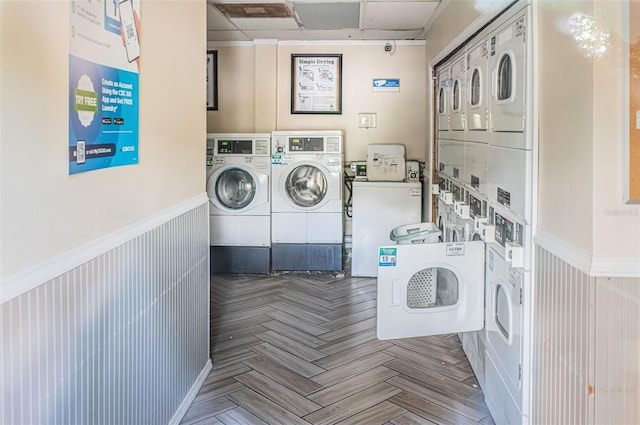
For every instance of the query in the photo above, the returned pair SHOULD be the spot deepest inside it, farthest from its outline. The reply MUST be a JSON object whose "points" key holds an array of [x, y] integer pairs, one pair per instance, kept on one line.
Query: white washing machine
{"points": [[506, 366], [511, 89], [307, 205], [477, 105], [457, 110], [430, 289], [238, 185]]}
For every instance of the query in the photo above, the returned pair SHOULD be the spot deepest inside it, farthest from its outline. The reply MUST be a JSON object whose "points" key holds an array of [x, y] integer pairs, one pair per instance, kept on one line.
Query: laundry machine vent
{"points": [[422, 287]]}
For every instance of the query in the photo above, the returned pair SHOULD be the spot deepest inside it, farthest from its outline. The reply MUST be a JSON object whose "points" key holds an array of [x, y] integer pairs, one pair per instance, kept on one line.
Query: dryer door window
{"points": [[501, 311], [475, 88], [235, 188], [432, 287], [505, 78], [456, 96], [306, 186], [441, 99]]}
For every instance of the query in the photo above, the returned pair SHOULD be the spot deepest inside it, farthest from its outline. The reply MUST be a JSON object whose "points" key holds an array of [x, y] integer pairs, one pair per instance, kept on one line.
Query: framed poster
{"points": [[212, 80], [316, 84]]}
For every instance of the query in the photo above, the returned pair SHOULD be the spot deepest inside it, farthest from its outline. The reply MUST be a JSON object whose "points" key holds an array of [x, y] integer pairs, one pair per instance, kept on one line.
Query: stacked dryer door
{"points": [[307, 206], [238, 185]]}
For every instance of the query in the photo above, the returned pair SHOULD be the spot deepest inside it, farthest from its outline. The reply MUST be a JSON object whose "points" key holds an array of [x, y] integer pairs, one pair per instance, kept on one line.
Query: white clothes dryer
{"points": [[504, 339], [510, 179], [443, 99], [238, 185], [477, 105], [430, 289], [457, 110], [511, 90], [307, 205]]}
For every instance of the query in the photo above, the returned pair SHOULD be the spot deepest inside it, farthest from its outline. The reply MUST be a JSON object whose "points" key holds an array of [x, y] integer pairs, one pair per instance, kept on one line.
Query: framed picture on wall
{"points": [[316, 84], [212, 80]]}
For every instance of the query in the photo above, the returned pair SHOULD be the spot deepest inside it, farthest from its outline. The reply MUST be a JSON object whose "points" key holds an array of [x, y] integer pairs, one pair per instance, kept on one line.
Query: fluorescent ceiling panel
{"points": [[328, 16], [397, 15]]}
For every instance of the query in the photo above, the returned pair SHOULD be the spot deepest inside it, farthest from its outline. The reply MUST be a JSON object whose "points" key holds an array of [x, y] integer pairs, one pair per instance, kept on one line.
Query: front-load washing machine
{"points": [[307, 206], [238, 185]]}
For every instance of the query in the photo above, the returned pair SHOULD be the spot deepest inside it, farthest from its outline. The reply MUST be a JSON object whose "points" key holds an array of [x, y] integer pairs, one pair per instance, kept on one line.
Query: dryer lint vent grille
{"points": [[421, 289]]}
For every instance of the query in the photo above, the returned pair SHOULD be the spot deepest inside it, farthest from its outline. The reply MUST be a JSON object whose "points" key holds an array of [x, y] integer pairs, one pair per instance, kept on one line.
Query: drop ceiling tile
{"points": [[275, 34], [265, 23], [397, 15], [328, 16], [217, 21], [352, 34], [226, 36]]}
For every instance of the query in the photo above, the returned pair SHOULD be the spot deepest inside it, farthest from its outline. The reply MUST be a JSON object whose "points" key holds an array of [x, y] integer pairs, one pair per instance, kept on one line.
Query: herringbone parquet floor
{"points": [[302, 349]]}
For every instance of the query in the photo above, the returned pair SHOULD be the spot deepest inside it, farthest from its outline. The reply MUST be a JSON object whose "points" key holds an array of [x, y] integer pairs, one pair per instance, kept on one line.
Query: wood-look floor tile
{"points": [[411, 419], [354, 353], [299, 312], [282, 374], [204, 410], [348, 342], [352, 405], [217, 389], [279, 394], [353, 368], [427, 362], [429, 410], [376, 415], [287, 359], [264, 408], [296, 322], [350, 386], [350, 319], [292, 346], [434, 379], [302, 337], [239, 416], [445, 399]]}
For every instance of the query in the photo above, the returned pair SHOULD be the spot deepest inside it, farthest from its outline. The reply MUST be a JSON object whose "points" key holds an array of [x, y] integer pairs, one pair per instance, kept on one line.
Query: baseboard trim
{"points": [[191, 395], [588, 264], [30, 278]]}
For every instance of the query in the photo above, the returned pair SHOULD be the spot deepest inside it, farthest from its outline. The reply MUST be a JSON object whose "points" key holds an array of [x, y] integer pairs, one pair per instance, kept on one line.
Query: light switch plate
{"points": [[367, 120]]}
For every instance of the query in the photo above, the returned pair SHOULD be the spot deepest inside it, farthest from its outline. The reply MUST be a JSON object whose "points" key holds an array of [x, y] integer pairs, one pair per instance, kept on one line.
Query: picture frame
{"points": [[212, 80], [316, 83]]}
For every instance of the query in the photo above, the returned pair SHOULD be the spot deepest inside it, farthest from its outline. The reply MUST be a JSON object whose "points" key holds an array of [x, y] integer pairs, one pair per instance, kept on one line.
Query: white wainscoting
{"points": [[119, 339]]}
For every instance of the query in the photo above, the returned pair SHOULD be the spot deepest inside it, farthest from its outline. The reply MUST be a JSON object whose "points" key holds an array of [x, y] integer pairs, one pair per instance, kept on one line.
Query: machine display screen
{"points": [[475, 207], [504, 230], [243, 147], [306, 144]]}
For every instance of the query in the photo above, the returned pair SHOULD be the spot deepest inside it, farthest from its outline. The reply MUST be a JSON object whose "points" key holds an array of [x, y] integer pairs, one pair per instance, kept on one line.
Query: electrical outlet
{"points": [[367, 120]]}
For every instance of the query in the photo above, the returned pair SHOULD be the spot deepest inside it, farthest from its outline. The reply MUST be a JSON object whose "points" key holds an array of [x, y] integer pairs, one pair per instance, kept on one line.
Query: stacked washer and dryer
{"points": [[485, 166]]}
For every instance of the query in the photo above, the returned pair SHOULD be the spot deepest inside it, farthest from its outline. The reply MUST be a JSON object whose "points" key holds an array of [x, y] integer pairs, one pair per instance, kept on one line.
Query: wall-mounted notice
{"points": [[104, 52], [386, 84], [316, 84], [632, 165]]}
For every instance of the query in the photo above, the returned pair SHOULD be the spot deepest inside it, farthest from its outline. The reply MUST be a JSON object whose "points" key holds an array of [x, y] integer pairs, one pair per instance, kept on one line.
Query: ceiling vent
{"points": [[255, 10]]}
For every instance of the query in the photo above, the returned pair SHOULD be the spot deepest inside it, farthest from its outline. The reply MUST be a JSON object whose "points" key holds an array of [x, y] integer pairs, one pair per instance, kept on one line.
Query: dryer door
{"points": [[430, 289], [306, 186]]}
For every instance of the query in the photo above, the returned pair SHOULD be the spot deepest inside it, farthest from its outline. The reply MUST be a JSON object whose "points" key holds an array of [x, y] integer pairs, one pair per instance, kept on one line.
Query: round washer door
{"points": [[306, 186], [235, 188]]}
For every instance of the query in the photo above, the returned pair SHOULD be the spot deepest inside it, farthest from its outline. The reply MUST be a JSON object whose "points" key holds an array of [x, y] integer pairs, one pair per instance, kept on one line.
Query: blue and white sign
{"points": [[387, 257], [104, 52], [386, 84]]}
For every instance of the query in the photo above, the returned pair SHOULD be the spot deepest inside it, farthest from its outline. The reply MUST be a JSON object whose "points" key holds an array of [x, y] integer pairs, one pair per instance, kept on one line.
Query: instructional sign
{"points": [[387, 257], [386, 84], [104, 52]]}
